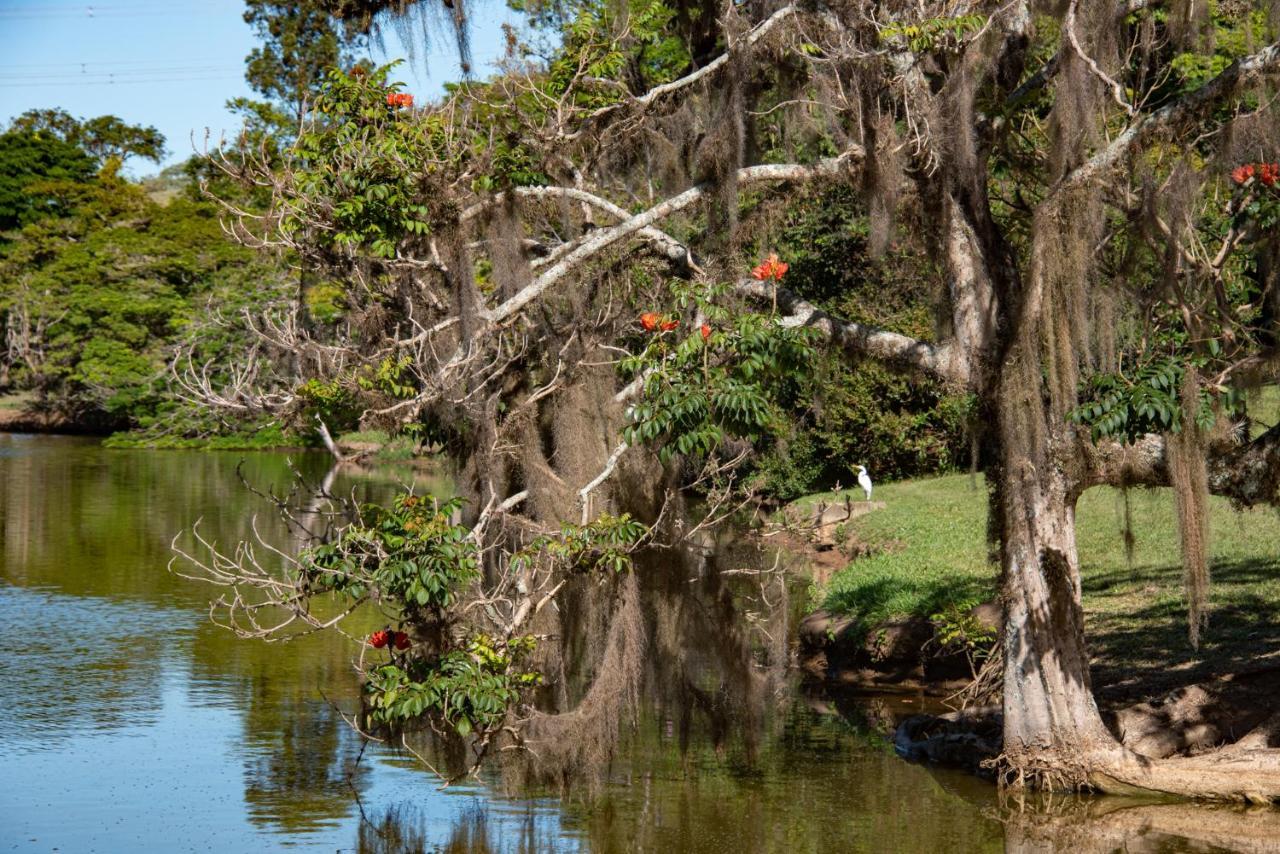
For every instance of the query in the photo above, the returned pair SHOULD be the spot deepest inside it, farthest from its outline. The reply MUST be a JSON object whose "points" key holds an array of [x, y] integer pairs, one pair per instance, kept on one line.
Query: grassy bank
{"points": [[932, 553], [269, 438]]}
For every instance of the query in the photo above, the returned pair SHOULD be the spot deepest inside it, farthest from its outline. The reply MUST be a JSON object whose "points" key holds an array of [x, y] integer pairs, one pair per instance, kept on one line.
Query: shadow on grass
{"points": [[1137, 626], [872, 601]]}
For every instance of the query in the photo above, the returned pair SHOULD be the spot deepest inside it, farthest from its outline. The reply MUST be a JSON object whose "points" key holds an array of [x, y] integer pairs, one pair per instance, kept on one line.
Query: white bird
{"points": [[864, 480]]}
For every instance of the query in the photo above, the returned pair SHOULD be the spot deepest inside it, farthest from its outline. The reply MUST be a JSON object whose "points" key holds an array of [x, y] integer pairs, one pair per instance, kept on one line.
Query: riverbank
{"points": [[18, 415], [924, 554]]}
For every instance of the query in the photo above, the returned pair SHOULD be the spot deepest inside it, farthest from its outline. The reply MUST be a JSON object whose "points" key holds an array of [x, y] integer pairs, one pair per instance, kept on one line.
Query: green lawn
{"points": [[932, 541]]}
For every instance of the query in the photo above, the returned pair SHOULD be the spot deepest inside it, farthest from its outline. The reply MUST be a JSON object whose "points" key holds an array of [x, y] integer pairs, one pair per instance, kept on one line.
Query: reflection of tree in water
{"points": [[402, 831], [299, 753], [673, 641], [301, 765], [1075, 825]]}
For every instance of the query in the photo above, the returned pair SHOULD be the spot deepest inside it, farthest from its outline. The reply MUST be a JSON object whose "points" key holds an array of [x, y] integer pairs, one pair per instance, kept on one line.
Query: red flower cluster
{"points": [[382, 637], [771, 268], [649, 321], [399, 99], [706, 331], [1267, 173]]}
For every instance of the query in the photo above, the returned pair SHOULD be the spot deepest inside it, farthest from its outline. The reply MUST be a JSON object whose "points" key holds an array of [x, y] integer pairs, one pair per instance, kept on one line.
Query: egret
{"points": [[864, 480]]}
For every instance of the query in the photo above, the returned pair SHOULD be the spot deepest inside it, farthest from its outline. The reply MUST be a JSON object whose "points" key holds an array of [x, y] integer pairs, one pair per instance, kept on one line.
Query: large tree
{"points": [[1095, 182]]}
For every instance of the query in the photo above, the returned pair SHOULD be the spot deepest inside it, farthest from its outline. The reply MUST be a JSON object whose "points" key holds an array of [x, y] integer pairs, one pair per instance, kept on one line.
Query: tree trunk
{"points": [[1052, 728], [1054, 737]]}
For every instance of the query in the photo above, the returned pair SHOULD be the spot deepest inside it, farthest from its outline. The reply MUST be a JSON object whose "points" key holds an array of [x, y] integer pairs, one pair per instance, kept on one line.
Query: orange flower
{"points": [[668, 325], [771, 268], [1268, 173], [649, 321], [406, 100], [1242, 174], [706, 332]]}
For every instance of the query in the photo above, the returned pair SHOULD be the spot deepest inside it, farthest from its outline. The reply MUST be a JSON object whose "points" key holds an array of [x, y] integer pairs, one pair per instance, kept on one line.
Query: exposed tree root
{"points": [[1230, 774], [1249, 775], [1177, 746]]}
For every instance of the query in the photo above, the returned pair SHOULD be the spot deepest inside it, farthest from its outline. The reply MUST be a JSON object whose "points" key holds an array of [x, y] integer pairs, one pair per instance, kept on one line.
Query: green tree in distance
{"points": [[27, 157], [101, 138], [299, 43]]}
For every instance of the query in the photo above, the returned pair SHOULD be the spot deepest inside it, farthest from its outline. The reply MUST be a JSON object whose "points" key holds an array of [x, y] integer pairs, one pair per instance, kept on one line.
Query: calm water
{"points": [[133, 724]]}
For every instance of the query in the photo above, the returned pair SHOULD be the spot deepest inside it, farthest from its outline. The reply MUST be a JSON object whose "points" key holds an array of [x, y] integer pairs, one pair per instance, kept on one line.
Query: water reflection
{"points": [[134, 724]]}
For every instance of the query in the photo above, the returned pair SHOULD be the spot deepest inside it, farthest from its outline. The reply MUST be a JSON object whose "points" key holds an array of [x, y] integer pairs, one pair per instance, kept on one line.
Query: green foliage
{"points": [[415, 562], [1122, 407], [332, 401], [410, 554], [359, 165], [389, 377], [28, 160], [935, 34], [957, 629], [895, 424], [1236, 33], [698, 392], [103, 138], [611, 41], [470, 689], [326, 302], [299, 42], [112, 282], [605, 543]]}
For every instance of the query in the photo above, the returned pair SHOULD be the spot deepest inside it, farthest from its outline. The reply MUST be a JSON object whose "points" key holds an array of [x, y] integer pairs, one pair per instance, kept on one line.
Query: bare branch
{"points": [[1181, 110], [606, 237], [584, 494], [753, 37], [1248, 473]]}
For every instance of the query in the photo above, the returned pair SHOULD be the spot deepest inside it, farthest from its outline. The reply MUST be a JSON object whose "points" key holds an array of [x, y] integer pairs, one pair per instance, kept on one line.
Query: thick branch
{"points": [[1248, 474], [902, 351], [606, 237], [673, 249]]}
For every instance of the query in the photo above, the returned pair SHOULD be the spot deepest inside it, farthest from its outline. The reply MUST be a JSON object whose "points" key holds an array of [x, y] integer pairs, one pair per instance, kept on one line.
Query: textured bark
{"points": [[1054, 737], [1248, 474], [1052, 728]]}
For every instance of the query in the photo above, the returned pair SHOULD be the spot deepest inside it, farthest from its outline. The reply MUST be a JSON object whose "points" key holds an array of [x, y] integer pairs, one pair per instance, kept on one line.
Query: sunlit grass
{"points": [[931, 538]]}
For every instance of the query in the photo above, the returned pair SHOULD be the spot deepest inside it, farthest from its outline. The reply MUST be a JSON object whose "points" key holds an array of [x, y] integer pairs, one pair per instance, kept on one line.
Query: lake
{"points": [[132, 723]]}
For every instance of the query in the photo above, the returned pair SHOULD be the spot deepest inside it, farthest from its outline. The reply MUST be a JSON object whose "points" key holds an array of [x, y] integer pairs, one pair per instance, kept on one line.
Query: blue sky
{"points": [[175, 63]]}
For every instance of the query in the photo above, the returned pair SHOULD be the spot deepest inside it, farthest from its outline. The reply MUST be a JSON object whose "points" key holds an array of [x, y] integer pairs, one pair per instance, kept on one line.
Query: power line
{"points": [[111, 62], [122, 74], [90, 13], [156, 81]]}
